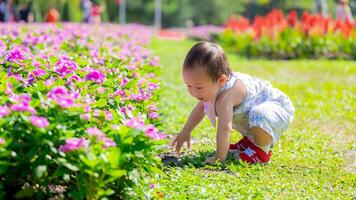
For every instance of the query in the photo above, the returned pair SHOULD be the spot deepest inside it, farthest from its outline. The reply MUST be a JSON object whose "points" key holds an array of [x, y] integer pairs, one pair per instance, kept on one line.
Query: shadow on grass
{"points": [[196, 160]]}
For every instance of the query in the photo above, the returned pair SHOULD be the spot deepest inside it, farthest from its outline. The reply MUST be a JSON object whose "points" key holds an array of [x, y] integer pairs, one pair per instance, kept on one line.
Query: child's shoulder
{"points": [[247, 78], [233, 96]]}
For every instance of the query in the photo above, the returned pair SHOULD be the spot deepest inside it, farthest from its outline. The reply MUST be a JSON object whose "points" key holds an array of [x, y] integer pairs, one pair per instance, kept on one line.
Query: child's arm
{"points": [[195, 117], [224, 109]]}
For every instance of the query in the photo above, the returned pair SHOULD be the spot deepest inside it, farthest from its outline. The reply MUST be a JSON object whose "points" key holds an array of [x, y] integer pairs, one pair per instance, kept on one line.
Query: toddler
{"points": [[249, 105]]}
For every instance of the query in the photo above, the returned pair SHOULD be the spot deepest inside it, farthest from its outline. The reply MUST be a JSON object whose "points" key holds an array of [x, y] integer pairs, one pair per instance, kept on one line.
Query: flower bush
{"points": [[77, 110], [278, 37]]}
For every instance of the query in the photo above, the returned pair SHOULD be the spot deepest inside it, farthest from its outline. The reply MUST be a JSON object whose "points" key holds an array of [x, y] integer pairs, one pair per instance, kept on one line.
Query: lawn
{"points": [[315, 158]]}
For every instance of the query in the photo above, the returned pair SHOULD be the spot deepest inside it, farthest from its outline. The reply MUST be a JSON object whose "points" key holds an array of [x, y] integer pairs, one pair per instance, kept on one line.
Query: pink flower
{"points": [[101, 90], [57, 92], [61, 97], [41, 122], [135, 97], [108, 115], [140, 82], [154, 61], [23, 107], [87, 108], [134, 123], [151, 75], [131, 67], [108, 143], [152, 186], [8, 90], [14, 55], [124, 82], [39, 72], [153, 115], [4, 110], [23, 104], [25, 98], [85, 116], [30, 79], [65, 103], [73, 78], [2, 141], [64, 66], [96, 113], [130, 107], [121, 92], [123, 109], [96, 76], [73, 144], [152, 86], [75, 94], [35, 64], [152, 107], [153, 133], [17, 76], [93, 131]]}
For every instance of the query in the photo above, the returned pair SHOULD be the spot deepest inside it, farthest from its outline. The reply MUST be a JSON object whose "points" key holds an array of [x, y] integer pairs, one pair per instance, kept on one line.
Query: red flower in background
{"points": [[257, 25], [292, 18], [274, 22], [270, 25], [344, 27], [327, 24], [237, 23]]}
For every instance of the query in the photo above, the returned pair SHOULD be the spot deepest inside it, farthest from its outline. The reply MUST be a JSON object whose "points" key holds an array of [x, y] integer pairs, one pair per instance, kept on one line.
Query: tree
{"points": [[175, 13]]}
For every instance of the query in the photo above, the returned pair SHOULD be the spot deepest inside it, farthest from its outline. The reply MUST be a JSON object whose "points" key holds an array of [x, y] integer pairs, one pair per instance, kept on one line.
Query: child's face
{"points": [[200, 85]]}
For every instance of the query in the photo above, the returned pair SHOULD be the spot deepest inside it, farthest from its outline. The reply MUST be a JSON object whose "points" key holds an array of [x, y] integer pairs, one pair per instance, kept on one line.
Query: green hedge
{"points": [[291, 44]]}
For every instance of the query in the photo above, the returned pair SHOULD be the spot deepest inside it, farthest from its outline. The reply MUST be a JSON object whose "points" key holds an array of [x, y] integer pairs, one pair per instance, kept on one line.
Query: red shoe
{"points": [[241, 145], [253, 154]]}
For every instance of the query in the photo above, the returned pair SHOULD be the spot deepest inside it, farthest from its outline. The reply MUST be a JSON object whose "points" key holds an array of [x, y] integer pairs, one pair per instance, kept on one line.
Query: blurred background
{"points": [[273, 29], [162, 13]]}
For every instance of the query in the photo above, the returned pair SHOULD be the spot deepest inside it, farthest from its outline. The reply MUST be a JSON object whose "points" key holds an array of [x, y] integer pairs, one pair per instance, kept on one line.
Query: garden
{"points": [[87, 111]]}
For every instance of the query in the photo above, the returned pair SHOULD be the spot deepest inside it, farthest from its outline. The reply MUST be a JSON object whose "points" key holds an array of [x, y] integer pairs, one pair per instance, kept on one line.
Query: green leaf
{"points": [[114, 157], [67, 164], [82, 62], [71, 167], [41, 86], [101, 103], [91, 161], [117, 173], [41, 170], [106, 192], [26, 192], [53, 59]]}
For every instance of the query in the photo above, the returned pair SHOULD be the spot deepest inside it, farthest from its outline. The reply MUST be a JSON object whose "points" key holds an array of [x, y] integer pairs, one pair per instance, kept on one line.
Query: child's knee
{"points": [[261, 137]]}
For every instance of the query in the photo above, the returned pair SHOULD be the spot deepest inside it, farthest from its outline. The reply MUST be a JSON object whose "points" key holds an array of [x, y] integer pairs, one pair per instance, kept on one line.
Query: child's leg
{"points": [[267, 121], [262, 138]]}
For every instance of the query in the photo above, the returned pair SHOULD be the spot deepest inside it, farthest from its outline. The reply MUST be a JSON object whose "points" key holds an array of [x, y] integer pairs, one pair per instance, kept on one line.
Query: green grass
{"points": [[315, 158]]}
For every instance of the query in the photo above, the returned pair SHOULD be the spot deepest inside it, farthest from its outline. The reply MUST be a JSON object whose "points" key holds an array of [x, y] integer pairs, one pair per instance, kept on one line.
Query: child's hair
{"points": [[210, 57]]}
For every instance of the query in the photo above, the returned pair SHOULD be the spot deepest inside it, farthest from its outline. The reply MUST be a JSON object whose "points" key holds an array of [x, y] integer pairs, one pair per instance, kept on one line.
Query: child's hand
{"points": [[211, 161], [180, 139]]}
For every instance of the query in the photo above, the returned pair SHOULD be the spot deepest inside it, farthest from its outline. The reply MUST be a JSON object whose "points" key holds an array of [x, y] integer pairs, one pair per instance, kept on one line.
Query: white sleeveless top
{"points": [[258, 91]]}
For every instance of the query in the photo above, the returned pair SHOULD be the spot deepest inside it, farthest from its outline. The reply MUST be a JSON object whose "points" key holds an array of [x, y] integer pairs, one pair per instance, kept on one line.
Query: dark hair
{"points": [[210, 57]]}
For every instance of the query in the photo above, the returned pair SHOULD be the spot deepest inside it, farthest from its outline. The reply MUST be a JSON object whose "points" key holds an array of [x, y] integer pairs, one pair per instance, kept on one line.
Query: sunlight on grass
{"points": [[309, 160]]}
